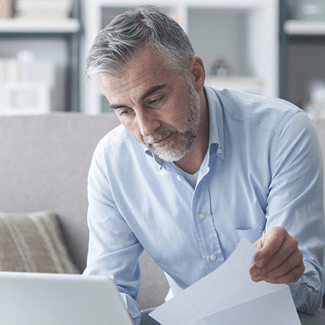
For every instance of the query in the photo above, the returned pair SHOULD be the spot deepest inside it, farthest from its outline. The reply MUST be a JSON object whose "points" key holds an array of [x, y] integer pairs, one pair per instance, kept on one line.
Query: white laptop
{"points": [[60, 299]]}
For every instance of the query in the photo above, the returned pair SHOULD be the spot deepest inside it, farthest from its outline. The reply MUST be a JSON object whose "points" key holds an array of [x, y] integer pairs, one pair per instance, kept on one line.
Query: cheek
{"points": [[180, 111], [134, 130]]}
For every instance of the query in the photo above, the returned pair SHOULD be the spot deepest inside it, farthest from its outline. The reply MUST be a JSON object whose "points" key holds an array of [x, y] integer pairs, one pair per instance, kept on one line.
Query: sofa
{"points": [[44, 164]]}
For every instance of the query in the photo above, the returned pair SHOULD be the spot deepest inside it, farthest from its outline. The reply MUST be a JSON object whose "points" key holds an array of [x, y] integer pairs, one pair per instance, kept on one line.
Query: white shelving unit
{"points": [[244, 32], [13, 25], [249, 84], [296, 27], [55, 40]]}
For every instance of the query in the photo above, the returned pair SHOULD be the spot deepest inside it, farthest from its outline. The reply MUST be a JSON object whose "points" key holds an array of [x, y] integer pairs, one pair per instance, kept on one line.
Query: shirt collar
{"points": [[159, 161], [216, 126], [216, 120]]}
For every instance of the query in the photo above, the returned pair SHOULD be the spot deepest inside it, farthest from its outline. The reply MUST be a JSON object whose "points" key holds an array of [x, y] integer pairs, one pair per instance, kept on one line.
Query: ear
{"points": [[197, 72]]}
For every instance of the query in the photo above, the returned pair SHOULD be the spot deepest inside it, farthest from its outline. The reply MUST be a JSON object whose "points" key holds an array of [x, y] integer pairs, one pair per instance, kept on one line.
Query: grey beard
{"points": [[167, 152]]}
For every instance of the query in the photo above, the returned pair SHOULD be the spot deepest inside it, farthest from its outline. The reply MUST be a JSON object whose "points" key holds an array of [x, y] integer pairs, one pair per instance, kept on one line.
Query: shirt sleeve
{"points": [[113, 249], [296, 202]]}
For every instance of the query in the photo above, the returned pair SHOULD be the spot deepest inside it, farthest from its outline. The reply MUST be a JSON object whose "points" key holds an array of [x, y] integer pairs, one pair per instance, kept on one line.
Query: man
{"points": [[193, 169]]}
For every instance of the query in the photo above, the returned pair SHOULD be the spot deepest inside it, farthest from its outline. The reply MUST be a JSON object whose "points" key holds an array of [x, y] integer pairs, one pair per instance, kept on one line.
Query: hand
{"points": [[279, 259]]}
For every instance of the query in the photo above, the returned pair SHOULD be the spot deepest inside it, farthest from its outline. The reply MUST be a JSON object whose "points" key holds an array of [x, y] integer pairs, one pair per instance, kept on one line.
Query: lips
{"points": [[162, 142]]}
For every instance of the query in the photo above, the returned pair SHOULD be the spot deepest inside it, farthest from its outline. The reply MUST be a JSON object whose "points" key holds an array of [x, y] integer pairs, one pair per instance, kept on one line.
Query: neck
{"points": [[192, 161]]}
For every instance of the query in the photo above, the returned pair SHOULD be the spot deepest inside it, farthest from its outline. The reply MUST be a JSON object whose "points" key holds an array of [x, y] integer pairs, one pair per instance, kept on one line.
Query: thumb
{"points": [[268, 245]]}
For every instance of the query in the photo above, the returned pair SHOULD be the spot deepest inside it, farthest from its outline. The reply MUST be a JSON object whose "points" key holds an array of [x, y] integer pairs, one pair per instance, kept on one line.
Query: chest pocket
{"points": [[252, 235]]}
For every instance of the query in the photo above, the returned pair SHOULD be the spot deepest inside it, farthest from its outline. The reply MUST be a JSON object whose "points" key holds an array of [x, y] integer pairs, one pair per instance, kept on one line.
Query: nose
{"points": [[147, 123]]}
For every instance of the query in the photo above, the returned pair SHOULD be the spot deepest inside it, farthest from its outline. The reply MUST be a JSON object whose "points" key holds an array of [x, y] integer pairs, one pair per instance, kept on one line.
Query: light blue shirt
{"points": [[263, 169]]}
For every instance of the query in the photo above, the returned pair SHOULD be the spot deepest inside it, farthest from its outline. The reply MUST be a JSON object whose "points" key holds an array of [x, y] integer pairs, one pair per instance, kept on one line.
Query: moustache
{"points": [[151, 139]]}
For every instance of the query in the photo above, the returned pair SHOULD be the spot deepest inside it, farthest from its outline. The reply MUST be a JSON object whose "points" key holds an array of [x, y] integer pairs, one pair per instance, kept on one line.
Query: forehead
{"points": [[145, 70]]}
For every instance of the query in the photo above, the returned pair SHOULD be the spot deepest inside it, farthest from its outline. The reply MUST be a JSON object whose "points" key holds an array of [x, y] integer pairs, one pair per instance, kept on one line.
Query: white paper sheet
{"points": [[229, 296]]}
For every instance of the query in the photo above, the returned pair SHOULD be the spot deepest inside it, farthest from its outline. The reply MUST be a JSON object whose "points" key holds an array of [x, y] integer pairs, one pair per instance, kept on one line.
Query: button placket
{"points": [[205, 228]]}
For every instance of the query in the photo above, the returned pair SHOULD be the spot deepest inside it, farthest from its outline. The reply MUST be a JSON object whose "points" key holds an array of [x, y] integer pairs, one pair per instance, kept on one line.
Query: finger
{"points": [[291, 277], [288, 249], [259, 244], [269, 244], [292, 262]]}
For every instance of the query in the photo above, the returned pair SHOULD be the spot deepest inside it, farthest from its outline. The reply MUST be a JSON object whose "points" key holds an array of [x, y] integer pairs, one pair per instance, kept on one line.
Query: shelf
{"points": [[241, 83], [296, 27], [230, 4], [20, 25], [237, 4]]}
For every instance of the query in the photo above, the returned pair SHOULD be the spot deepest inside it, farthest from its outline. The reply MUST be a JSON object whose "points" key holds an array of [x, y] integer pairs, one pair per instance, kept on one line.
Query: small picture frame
{"points": [[23, 98], [6, 8]]}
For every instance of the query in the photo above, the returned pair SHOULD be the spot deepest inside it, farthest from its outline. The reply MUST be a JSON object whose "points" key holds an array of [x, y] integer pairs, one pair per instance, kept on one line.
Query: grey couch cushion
{"points": [[32, 242]]}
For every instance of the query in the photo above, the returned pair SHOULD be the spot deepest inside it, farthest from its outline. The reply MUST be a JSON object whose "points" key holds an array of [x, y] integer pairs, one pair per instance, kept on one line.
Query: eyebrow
{"points": [[148, 92], [152, 90], [115, 106]]}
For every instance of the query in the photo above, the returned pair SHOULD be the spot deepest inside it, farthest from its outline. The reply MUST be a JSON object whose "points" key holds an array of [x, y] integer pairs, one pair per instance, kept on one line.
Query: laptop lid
{"points": [[57, 299]]}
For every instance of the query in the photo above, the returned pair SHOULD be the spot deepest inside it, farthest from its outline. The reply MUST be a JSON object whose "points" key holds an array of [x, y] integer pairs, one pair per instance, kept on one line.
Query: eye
{"points": [[123, 112], [155, 101]]}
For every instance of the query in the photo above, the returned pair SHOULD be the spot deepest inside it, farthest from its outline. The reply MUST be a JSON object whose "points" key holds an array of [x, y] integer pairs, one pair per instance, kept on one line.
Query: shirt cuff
{"points": [[307, 293], [132, 307]]}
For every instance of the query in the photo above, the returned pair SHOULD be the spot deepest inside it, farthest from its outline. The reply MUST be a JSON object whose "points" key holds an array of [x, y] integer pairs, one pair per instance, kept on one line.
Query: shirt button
{"points": [[202, 216], [219, 151], [213, 258], [179, 178]]}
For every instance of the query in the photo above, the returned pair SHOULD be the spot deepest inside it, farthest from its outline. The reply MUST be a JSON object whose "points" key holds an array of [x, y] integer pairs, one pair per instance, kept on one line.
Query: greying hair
{"points": [[133, 31]]}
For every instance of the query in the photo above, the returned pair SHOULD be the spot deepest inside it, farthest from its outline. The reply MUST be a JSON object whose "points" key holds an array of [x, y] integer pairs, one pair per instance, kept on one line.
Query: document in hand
{"points": [[228, 296]]}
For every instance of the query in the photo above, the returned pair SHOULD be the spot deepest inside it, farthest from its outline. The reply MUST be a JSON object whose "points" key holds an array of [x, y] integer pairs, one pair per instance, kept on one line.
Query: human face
{"points": [[158, 106], [173, 150]]}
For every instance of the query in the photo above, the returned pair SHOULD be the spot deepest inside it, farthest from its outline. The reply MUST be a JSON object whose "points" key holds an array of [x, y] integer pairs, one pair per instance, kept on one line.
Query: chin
{"points": [[171, 156]]}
